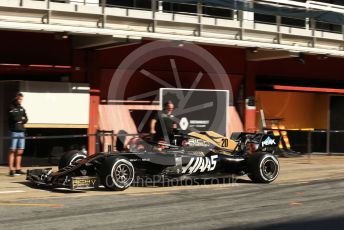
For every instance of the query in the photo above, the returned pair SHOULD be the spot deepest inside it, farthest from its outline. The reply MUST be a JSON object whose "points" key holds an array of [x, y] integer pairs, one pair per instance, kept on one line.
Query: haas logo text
{"points": [[200, 164]]}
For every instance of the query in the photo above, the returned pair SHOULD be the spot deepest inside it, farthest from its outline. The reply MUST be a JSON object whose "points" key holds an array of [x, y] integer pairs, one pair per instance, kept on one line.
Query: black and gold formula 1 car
{"points": [[193, 155]]}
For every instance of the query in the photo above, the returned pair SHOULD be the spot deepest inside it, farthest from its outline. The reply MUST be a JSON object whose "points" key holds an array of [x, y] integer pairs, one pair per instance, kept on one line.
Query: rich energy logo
{"points": [[200, 164], [197, 143], [83, 183], [268, 141]]}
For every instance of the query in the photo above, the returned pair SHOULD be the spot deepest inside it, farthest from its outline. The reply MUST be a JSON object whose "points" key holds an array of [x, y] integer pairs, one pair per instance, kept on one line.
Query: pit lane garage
{"points": [[293, 95]]}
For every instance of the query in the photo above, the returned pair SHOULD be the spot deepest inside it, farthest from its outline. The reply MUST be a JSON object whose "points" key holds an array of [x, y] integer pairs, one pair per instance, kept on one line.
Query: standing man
{"points": [[163, 123], [17, 119]]}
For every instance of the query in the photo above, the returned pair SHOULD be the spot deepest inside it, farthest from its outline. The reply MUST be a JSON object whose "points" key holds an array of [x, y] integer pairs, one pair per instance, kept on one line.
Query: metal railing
{"points": [[46, 145], [170, 6], [307, 143], [102, 133], [210, 11], [242, 19]]}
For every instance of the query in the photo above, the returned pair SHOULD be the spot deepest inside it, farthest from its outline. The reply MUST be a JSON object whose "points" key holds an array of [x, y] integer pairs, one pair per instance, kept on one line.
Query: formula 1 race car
{"points": [[193, 155]]}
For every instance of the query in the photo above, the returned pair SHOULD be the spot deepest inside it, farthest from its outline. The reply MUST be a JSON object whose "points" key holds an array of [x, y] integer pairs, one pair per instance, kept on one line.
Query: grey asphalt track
{"points": [[305, 203]]}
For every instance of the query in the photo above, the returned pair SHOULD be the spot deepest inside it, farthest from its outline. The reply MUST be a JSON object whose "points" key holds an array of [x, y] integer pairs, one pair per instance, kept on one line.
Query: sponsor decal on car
{"points": [[197, 143], [268, 142], [83, 182], [201, 164], [184, 123]]}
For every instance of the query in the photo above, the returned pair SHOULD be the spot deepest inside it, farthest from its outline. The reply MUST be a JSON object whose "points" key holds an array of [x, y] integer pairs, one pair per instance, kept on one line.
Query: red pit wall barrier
{"points": [[250, 120], [94, 120]]}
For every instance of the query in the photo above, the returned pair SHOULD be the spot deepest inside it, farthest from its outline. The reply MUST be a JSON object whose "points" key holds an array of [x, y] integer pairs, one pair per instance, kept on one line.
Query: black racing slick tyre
{"points": [[263, 168], [116, 173], [71, 157]]}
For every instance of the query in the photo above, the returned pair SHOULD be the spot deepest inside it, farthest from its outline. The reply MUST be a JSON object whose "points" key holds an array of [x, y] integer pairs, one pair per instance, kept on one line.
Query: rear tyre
{"points": [[263, 168], [70, 158], [116, 173]]}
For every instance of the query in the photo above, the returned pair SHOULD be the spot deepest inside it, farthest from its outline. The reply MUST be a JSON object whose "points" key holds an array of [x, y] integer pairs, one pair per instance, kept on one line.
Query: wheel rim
{"points": [[76, 159], [123, 173], [269, 168]]}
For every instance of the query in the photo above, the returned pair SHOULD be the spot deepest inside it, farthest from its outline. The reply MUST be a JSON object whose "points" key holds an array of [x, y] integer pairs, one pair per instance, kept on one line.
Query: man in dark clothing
{"points": [[17, 119], [163, 123]]}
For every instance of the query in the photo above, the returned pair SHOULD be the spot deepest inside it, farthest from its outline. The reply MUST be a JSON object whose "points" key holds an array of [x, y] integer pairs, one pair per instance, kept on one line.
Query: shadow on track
{"points": [[332, 223], [149, 182]]}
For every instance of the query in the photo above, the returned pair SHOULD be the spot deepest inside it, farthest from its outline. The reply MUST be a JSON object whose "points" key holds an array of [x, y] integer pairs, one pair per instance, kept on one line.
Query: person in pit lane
{"points": [[163, 124], [17, 120]]}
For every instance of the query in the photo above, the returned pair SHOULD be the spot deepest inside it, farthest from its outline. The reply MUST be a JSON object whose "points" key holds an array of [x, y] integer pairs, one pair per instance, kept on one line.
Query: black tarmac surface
{"points": [[286, 204]]}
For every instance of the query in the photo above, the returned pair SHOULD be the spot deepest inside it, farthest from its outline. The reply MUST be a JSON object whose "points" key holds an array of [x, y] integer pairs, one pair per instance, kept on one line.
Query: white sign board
{"points": [[56, 103]]}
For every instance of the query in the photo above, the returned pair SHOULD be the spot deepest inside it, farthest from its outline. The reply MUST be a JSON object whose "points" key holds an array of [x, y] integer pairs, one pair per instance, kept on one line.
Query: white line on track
{"points": [[13, 191]]}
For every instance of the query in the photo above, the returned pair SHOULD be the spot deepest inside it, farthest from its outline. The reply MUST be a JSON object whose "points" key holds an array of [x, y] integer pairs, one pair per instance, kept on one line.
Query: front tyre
{"points": [[116, 173], [263, 168], [70, 158]]}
